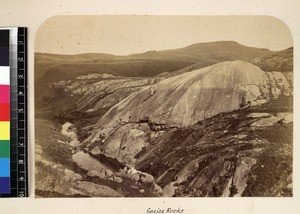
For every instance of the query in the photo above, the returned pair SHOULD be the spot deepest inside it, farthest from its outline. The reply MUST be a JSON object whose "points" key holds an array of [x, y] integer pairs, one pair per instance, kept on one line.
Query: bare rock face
{"points": [[146, 178], [286, 117], [96, 151], [198, 133], [95, 76], [104, 92], [241, 174], [124, 142], [70, 175], [94, 173], [117, 179], [185, 99], [269, 121], [182, 101], [157, 189], [108, 173]]}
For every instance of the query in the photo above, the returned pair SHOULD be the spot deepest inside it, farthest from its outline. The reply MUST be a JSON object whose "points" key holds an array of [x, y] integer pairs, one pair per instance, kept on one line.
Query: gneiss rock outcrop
{"points": [[230, 154], [186, 99]]}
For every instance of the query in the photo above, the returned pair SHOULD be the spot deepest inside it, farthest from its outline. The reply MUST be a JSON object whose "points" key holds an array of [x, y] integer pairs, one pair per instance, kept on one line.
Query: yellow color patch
{"points": [[4, 130]]}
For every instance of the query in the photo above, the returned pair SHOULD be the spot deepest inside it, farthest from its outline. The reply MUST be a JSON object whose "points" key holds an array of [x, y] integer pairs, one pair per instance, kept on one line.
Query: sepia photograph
{"points": [[163, 106]]}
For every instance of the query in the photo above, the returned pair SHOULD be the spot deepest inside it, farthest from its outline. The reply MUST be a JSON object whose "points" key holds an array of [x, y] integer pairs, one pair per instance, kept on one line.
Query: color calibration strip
{"points": [[4, 113], [15, 184]]}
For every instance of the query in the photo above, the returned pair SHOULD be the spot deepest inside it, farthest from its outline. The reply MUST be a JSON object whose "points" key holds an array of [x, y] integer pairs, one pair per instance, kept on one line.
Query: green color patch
{"points": [[4, 149]]}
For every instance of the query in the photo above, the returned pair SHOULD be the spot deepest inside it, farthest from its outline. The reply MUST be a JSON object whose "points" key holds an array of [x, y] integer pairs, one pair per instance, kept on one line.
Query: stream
{"points": [[67, 131], [81, 158], [89, 163]]}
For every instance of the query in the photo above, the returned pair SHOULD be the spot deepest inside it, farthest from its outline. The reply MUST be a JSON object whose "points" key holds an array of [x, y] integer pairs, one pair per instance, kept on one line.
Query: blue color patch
{"points": [[4, 167], [4, 185]]}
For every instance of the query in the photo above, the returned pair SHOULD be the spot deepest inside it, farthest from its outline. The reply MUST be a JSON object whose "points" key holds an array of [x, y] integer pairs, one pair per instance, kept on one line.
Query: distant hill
{"points": [[218, 51], [150, 63], [278, 61]]}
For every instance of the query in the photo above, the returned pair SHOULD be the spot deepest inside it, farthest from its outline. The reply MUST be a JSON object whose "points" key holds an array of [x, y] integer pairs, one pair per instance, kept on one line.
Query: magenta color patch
{"points": [[4, 93]]}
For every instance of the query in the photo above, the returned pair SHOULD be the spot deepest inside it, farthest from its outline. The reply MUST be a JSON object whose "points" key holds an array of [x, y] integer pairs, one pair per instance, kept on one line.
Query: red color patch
{"points": [[4, 112]]}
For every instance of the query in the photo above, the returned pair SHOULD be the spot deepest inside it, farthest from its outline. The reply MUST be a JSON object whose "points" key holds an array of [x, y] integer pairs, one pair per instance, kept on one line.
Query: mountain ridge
{"points": [[204, 45]]}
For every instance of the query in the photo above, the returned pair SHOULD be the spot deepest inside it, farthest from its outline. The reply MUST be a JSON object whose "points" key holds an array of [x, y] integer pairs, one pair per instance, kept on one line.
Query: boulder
{"points": [[134, 177], [93, 173], [157, 190], [256, 115], [96, 151], [108, 173], [70, 175], [117, 179], [270, 121], [241, 174], [286, 117], [169, 190], [146, 178]]}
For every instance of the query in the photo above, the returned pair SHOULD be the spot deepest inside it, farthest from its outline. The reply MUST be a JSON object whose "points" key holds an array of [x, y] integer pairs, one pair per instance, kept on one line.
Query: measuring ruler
{"points": [[18, 113]]}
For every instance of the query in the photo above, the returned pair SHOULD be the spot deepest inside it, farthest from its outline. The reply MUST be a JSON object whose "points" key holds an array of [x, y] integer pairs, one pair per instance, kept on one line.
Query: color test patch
{"points": [[4, 48], [13, 112], [4, 149], [4, 94], [4, 130], [4, 167], [4, 185], [4, 111], [4, 38], [4, 75], [4, 59]]}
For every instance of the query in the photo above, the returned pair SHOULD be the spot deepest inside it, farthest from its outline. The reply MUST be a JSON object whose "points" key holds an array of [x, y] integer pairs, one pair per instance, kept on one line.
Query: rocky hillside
{"points": [[185, 99], [243, 153], [206, 130]]}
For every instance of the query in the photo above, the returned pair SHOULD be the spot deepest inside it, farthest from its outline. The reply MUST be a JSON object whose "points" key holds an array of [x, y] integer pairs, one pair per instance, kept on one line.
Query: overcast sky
{"points": [[122, 35]]}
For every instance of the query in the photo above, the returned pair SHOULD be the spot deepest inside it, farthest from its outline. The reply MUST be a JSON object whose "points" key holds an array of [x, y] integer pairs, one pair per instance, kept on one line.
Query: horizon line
{"points": [[169, 49]]}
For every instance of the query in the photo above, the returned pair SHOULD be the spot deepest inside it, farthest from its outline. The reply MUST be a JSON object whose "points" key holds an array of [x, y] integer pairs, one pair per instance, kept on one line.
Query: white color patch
{"points": [[4, 75]]}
